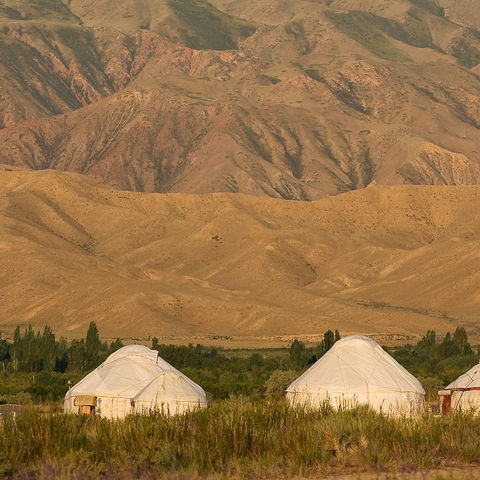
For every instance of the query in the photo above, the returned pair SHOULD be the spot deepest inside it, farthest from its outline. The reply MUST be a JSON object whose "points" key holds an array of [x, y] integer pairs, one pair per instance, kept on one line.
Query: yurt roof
{"points": [[171, 386], [470, 379], [125, 372], [140, 351], [356, 364]]}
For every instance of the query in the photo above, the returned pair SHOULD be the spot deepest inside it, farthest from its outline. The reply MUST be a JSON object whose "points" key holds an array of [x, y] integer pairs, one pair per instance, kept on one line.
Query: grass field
{"points": [[236, 438]]}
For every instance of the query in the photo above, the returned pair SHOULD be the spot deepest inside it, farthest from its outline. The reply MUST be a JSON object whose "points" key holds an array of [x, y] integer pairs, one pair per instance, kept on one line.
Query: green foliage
{"points": [[220, 375], [208, 27], [364, 29], [35, 351], [92, 345], [234, 437], [115, 345], [300, 356], [76, 356], [279, 380], [20, 387], [437, 364], [4, 352], [298, 353], [48, 386]]}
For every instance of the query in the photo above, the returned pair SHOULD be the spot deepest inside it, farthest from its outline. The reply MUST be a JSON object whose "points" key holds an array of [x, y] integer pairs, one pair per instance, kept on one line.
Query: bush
{"points": [[278, 381]]}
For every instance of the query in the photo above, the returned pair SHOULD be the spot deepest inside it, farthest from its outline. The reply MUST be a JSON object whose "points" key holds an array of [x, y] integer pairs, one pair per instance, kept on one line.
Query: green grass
{"points": [[364, 29], [236, 437], [209, 28]]}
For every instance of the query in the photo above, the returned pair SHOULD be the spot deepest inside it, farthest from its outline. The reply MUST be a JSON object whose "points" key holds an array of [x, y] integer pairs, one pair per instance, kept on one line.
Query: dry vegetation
{"points": [[235, 438], [384, 260]]}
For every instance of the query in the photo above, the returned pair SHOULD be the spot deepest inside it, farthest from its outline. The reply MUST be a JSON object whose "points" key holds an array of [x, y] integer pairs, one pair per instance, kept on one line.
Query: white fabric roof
{"points": [[357, 367], [470, 379], [132, 370], [170, 387]]}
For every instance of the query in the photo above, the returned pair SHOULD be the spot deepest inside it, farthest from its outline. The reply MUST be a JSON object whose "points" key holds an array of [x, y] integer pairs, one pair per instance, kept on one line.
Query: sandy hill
{"points": [[381, 260], [292, 99]]}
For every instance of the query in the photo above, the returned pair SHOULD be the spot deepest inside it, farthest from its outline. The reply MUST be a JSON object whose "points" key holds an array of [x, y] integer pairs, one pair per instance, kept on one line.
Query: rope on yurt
{"points": [[465, 389]]}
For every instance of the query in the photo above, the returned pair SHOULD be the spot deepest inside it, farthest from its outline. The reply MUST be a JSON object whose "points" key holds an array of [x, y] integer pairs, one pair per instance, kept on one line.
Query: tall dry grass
{"points": [[235, 437]]}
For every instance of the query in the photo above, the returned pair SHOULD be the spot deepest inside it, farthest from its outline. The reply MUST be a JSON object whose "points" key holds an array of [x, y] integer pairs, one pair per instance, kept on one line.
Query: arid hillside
{"points": [[394, 260], [289, 99]]}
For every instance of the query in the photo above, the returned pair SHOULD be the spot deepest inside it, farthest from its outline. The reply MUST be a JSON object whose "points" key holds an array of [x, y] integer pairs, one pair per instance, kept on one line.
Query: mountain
{"points": [[392, 261], [290, 99]]}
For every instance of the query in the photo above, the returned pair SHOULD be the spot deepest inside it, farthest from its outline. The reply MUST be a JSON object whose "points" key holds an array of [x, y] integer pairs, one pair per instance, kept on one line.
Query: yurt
{"points": [[356, 370], [463, 393], [134, 379]]}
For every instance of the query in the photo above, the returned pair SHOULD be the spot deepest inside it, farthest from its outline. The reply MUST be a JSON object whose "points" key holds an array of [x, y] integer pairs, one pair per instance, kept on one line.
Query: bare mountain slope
{"points": [[298, 100], [381, 260]]}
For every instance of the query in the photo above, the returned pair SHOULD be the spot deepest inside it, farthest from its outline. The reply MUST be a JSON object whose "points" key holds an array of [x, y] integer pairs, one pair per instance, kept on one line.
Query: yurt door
{"points": [[446, 404], [85, 403]]}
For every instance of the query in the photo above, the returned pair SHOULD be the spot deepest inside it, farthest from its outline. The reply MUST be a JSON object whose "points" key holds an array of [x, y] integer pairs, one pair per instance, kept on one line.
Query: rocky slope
{"points": [[298, 100], [392, 260]]}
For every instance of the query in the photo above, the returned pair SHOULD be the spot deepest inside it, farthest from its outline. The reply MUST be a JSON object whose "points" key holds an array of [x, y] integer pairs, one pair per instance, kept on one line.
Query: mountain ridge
{"points": [[307, 100]]}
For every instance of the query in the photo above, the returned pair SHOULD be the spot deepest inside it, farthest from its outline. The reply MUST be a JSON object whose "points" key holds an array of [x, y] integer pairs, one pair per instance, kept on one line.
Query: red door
{"points": [[446, 404]]}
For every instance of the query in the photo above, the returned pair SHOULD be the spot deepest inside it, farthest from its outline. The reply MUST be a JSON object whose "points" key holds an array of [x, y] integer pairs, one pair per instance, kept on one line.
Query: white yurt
{"points": [[356, 370], [134, 379], [463, 393]]}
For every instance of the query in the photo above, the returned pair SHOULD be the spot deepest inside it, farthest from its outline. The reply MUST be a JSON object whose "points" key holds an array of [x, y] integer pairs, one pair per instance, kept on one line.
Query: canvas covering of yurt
{"points": [[355, 371], [134, 379], [463, 393]]}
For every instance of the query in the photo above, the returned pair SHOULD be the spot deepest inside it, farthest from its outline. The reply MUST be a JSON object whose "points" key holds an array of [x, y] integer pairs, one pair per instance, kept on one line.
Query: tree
{"points": [[328, 340], [278, 381], [48, 350], [254, 361], [92, 345], [460, 339], [428, 340], [448, 348], [115, 345], [16, 347], [76, 356], [4, 352], [298, 353]]}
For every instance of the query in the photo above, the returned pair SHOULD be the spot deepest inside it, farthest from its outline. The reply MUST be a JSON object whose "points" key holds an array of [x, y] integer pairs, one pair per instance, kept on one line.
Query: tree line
{"points": [[437, 361], [38, 351], [39, 364]]}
